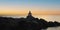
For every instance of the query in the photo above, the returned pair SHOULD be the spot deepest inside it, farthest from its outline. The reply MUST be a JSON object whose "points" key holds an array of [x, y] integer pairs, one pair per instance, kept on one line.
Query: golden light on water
{"points": [[47, 15]]}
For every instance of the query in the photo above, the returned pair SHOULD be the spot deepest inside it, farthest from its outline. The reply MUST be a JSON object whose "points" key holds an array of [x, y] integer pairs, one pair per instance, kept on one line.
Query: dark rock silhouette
{"points": [[28, 23]]}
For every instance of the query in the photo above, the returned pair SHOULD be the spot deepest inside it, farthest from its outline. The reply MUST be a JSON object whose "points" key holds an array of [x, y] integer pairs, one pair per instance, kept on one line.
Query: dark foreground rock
{"points": [[25, 24], [28, 23]]}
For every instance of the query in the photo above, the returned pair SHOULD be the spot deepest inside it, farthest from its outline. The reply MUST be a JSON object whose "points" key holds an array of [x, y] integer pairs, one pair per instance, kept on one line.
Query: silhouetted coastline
{"points": [[28, 23]]}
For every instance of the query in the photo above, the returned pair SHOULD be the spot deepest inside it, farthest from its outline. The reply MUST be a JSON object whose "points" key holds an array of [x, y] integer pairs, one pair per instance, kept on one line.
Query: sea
{"points": [[52, 28], [46, 17]]}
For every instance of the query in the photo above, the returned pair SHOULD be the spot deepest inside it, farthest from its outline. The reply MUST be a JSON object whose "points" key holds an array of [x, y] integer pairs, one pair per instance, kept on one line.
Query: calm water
{"points": [[52, 28], [46, 17], [49, 17]]}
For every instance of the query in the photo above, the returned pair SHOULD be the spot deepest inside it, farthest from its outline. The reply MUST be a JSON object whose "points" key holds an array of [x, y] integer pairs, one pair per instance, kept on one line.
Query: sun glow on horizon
{"points": [[25, 12]]}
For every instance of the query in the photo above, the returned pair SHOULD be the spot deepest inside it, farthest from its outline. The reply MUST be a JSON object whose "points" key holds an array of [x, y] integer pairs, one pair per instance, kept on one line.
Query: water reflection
{"points": [[46, 17], [52, 28]]}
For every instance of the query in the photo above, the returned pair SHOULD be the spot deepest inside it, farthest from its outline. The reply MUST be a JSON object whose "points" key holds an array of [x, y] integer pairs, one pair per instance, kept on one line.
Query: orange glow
{"points": [[25, 12]]}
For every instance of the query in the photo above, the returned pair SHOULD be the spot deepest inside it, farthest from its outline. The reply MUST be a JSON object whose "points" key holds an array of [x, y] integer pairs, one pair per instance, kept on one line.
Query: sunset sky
{"points": [[38, 7]]}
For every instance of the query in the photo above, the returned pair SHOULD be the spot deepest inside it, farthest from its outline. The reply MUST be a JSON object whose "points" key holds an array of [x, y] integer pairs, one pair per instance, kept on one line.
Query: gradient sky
{"points": [[38, 7]]}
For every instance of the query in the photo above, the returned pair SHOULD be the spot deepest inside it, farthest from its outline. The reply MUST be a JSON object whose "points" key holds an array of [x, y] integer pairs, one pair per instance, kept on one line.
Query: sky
{"points": [[37, 7]]}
